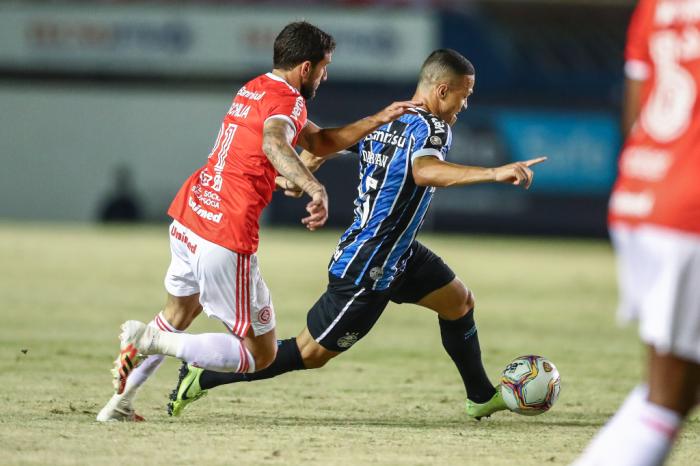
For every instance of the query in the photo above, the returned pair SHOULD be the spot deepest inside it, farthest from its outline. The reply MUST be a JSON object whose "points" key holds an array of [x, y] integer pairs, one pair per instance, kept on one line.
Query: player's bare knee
{"points": [[470, 302], [459, 303]]}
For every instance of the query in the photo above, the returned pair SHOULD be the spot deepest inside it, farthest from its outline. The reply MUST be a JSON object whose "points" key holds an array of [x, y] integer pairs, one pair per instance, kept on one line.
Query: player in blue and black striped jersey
{"points": [[378, 258], [391, 205]]}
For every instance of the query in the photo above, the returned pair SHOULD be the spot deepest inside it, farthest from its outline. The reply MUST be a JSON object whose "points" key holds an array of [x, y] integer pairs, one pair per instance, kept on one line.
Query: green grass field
{"points": [[394, 399]]}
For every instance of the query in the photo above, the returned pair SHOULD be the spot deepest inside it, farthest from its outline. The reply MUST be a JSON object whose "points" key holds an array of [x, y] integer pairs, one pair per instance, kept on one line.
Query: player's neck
{"points": [[428, 102], [291, 76]]}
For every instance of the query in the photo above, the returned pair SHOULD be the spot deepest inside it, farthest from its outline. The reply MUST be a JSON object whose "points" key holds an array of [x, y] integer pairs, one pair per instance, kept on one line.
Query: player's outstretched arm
{"points": [[313, 163], [277, 137], [326, 141], [431, 171]]}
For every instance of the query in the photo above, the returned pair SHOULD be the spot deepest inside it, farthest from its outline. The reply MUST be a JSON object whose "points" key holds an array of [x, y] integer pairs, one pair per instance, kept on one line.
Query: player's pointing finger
{"points": [[531, 162]]}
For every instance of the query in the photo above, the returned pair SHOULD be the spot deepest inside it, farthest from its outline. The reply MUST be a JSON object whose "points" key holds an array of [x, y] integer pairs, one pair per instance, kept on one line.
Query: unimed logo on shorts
{"points": [[183, 237]]}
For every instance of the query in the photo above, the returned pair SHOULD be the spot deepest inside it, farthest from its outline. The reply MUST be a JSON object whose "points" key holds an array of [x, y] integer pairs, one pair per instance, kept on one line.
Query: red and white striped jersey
{"points": [[223, 200], [660, 162]]}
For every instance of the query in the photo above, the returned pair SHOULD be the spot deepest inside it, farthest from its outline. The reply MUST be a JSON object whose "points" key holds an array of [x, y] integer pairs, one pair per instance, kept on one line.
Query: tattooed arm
{"points": [[310, 161], [276, 145]]}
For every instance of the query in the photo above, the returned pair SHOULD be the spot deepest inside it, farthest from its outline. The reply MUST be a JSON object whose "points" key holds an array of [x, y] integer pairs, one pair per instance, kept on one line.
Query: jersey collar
{"points": [[274, 77]]}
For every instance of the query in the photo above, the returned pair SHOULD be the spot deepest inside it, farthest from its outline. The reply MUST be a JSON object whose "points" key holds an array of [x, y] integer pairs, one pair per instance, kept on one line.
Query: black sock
{"points": [[461, 342], [288, 359]]}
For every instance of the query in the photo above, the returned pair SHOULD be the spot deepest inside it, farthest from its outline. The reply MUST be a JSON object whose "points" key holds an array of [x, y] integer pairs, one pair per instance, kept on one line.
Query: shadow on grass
{"points": [[435, 423]]}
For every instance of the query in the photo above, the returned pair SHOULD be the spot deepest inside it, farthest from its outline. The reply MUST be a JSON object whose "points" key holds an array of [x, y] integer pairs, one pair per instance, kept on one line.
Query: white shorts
{"points": [[659, 277], [229, 284]]}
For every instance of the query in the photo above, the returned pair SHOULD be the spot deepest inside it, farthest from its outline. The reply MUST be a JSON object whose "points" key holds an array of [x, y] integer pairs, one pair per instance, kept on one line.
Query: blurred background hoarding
{"points": [[92, 90], [204, 42]]}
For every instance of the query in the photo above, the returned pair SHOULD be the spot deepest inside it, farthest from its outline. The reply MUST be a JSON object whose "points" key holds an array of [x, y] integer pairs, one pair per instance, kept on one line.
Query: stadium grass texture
{"points": [[394, 399]]}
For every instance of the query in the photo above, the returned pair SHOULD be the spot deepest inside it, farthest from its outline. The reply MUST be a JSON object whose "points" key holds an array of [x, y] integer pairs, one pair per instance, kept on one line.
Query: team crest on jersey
{"points": [[375, 273], [436, 140], [347, 340]]}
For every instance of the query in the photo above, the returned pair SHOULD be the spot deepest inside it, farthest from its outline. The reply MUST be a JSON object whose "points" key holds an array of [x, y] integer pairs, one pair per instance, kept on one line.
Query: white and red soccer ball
{"points": [[530, 385]]}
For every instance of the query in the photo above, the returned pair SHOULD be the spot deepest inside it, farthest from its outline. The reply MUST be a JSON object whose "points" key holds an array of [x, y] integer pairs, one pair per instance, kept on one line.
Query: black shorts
{"points": [[346, 312]]}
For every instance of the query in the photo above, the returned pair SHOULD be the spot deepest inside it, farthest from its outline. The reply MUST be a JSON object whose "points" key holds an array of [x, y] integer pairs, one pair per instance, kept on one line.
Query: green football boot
{"points": [[187, 389], [479, 410]]}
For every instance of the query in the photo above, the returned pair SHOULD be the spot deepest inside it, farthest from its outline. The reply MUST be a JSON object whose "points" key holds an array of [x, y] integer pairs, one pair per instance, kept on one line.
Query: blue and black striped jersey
{"points": [[390, 207]]}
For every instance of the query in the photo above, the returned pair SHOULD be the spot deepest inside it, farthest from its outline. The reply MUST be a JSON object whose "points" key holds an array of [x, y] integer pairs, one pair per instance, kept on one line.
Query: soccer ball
{"points": [[530, 385]]}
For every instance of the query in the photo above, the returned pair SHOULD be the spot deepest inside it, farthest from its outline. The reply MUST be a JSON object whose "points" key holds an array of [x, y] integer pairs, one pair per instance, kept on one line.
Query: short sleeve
{"points": [[432, 137], [290, 108], [638, 61]]}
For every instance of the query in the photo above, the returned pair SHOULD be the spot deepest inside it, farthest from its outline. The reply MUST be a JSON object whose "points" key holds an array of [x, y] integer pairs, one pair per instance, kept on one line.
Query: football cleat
{"points": [[118, 408], [479, 410], [187, 389], [130, 353]]}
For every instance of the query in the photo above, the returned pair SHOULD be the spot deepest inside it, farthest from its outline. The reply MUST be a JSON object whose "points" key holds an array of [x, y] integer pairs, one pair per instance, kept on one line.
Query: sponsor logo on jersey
{"points": [[206, 197], [377, 159], [298, 107], [384, 137], [246, 94], [348, 340], [205, 214], [180, 236], [438, 125], [436, 140]]}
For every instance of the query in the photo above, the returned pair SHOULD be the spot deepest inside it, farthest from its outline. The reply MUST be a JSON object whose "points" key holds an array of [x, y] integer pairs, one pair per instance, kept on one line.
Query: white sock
{"points": [[640, 434], [149, 365], [219, 352]]}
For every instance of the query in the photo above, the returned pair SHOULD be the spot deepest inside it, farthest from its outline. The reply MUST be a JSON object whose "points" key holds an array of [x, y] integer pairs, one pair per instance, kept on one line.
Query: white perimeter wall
{"points": [[59, 145]]}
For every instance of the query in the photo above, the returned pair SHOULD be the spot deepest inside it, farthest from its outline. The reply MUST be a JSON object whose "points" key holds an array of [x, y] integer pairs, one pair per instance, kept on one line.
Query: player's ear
{"points": [[306, 68], [441, 90]]}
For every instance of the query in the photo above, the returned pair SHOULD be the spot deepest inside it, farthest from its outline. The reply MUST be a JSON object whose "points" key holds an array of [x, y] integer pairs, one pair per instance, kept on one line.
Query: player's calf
{"points": [[312, 353], [263, 348]]}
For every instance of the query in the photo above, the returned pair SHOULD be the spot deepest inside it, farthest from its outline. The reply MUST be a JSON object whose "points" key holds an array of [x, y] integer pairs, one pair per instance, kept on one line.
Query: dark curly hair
{"points": [[301, 41]]}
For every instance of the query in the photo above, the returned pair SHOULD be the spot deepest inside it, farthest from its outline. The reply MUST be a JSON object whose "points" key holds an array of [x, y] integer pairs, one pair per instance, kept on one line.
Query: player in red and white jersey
{"points": [[214, 233], [222, 201], [654, 221]]}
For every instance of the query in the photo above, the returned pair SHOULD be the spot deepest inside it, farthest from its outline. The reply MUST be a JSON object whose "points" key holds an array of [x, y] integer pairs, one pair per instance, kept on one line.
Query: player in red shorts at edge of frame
{"points": [[655, 227], [214, 233]]}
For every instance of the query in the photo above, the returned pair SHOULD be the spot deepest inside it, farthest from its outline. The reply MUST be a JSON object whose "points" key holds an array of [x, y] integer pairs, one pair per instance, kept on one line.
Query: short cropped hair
{"points": [[442, 64], [301, 41]]}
